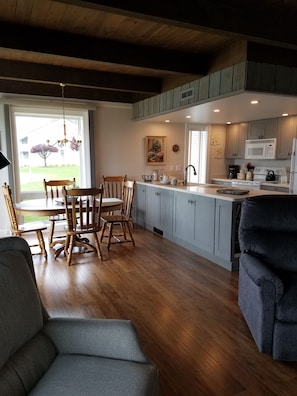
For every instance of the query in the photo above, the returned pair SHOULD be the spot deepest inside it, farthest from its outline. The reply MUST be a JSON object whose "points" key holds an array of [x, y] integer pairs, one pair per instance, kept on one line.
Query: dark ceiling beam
{"points": [[72, 92], [78, 77], [267, 21], [270, 54], [57, 43]]}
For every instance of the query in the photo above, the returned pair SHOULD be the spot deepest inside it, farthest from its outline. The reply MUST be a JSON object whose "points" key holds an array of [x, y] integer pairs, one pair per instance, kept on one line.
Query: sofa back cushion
{"points": [[268, 229], [20, 307]]}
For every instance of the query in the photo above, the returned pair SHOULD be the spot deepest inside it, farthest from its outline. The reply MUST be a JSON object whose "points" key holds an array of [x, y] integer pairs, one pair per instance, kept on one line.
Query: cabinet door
{"points": [[184, 217], [194, 220], [232, 132], [153, 207], [271, 128], [242, 137], [159, 210], [167, 211], [262, 129], [236, 135], [139, 204], [286, 133], [256, 129], [205, 223]]}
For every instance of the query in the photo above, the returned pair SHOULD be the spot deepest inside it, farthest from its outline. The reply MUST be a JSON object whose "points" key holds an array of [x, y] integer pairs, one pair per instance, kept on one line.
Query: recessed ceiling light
{"points": [[228, 122], [216, 110], [188, 116], [254, 101], [285, 114], [167, 120]]}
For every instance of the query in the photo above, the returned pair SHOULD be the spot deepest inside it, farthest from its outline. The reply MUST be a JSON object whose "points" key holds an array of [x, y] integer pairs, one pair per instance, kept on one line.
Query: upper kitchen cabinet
{"points": [[286, 133], [263, 129], [236, 135]]}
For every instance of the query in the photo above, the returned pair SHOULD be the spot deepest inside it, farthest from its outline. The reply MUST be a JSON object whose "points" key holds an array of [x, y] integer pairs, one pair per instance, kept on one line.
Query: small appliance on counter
{"points": [[232, 172], [270, 176]]}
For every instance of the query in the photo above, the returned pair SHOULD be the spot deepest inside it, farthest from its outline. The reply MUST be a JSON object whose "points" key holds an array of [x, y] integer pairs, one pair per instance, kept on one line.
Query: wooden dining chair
{"points": [[53, 190], [25, 228], [83, 213], [124, 219], [113, 186]]}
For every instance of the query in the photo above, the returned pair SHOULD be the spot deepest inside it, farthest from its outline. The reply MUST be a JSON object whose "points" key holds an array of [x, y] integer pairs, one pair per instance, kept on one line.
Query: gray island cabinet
{"points": [[194, 221], [196, 217]]}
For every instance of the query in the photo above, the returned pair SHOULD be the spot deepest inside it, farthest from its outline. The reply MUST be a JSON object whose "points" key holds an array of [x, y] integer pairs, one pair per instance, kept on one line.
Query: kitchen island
{"points": [[195, 216]]}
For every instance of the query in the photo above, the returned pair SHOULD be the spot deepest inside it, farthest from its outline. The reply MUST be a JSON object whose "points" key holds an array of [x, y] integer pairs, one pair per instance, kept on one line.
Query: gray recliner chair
{"points": [[267, 289], [47, 356]]}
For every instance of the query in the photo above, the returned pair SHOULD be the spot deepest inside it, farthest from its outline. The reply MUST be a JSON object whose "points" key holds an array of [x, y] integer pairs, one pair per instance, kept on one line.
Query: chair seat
{"points": [[87, 374], [115, 218]]}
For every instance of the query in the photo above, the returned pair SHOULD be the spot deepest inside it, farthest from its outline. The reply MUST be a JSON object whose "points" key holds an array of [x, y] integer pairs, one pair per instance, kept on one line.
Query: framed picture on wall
{"points": [[155, 150]]}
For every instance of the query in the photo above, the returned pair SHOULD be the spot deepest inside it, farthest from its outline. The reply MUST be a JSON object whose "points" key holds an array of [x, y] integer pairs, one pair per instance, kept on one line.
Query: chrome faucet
{"points": [[185, 175]]}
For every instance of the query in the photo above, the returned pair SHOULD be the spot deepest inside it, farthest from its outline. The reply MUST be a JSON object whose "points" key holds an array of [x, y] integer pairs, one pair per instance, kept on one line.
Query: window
{"points": [[34, 130], [197, 154]]}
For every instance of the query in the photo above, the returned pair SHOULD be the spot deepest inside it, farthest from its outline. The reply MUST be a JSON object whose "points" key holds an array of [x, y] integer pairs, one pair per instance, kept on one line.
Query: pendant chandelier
{"points": [[74, 143]]}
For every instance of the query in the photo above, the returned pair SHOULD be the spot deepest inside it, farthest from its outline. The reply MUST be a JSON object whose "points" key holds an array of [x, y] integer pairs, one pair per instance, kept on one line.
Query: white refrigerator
{"points": [[293, 169]]}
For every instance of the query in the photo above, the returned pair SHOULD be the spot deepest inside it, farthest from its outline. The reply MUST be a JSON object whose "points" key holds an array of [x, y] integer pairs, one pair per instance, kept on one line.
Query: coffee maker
{"points": [[233, 170]]}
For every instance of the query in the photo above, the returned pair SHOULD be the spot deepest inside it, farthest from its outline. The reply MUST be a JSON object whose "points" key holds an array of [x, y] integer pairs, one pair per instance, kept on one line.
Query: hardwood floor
{"points": [[184, 308]]}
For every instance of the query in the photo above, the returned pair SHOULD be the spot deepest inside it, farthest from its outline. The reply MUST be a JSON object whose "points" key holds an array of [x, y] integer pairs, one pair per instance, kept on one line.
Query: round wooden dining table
{"points": [[51, 207], [55, 206]]}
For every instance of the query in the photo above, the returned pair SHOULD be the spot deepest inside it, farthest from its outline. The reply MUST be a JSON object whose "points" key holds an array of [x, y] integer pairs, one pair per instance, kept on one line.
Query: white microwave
{"points": [[260, 149]]}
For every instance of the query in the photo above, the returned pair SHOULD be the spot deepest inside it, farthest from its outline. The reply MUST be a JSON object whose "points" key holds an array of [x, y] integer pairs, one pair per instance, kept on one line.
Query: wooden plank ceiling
{"points": [[126, 51]]}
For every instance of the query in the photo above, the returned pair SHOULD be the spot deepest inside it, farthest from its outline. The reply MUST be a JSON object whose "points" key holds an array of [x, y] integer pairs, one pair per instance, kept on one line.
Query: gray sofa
{"points": [[267, 289], [47, 356]]}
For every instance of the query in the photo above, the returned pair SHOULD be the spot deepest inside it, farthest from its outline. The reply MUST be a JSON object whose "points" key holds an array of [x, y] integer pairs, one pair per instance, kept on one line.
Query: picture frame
{"points": [[155, 150]]}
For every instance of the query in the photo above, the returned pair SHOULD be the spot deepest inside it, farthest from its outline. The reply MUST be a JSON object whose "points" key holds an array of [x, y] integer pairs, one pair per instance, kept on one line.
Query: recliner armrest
{"points": [[259, 272], [110, 338]]}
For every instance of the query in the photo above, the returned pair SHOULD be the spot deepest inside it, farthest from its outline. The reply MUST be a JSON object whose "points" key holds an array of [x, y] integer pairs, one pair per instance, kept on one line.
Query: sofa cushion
{"points": [[20, 306], [24, 368], [85, 375]]}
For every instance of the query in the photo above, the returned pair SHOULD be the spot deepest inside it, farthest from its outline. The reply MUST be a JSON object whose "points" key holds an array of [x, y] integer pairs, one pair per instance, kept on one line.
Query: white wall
{"points": [[120, 143], [218, 165]]}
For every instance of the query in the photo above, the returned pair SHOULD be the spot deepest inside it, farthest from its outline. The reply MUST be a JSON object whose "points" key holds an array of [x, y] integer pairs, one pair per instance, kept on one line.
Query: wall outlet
{"points": [[178, 168]]}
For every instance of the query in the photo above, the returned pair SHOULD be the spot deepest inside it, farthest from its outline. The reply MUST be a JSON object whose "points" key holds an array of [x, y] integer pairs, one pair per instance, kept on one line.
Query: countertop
{"points": [[271, 184], [210, 190]]}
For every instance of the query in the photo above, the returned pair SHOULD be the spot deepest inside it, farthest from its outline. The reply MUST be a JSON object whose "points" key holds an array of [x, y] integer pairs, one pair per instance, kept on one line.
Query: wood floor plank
{"points": [[185, 311]]}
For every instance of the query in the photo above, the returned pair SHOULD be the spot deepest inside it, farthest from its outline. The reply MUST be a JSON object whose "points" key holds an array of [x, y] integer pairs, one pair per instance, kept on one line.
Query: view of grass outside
{"points": [[32, 178]]}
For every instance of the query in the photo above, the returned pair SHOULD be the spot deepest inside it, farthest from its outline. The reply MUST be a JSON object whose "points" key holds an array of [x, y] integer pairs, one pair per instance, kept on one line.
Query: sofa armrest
{"points": [[110, 338], [259, 272]]}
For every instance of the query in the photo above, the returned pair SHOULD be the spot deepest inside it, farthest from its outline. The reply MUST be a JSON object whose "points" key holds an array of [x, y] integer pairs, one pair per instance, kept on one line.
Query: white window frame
{"points": [[198, 153], [85, 160]]}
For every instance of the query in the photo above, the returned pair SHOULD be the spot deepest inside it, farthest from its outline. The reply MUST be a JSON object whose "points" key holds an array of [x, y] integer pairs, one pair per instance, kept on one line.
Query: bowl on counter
{"points": [[147, 178]]}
